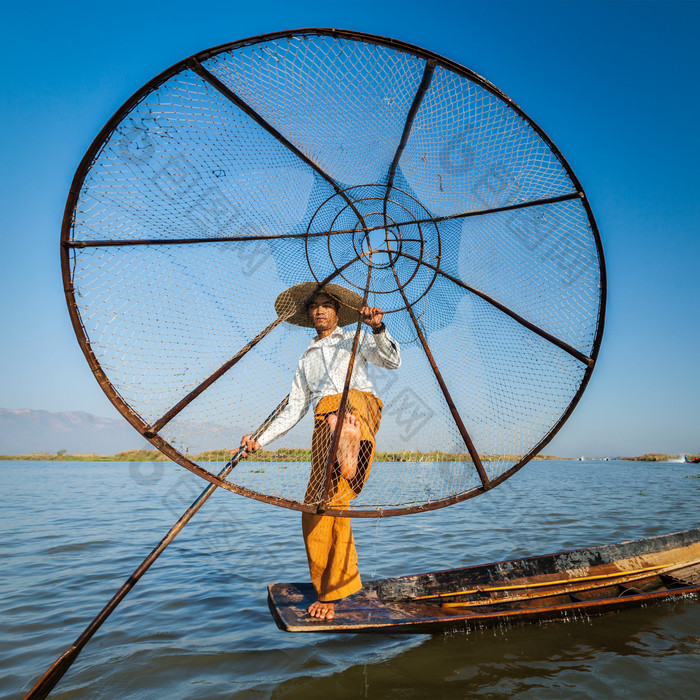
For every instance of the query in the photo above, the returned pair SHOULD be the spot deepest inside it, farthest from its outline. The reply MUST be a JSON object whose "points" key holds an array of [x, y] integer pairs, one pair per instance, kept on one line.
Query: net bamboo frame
{"points": [[335, 157]]}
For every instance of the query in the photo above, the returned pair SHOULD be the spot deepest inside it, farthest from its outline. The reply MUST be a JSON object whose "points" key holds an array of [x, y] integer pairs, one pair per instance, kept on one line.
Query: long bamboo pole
{"points": [[55, 672], [330, 460]]}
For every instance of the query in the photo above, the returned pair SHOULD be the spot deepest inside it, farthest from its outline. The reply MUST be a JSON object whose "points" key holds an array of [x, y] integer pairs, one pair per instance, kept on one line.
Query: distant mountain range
{"points": [[24, 431]]}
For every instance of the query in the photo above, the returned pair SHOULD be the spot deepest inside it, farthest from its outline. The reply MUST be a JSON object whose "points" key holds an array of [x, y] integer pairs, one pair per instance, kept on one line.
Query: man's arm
{"points": [[297, 406], [382, 350]]}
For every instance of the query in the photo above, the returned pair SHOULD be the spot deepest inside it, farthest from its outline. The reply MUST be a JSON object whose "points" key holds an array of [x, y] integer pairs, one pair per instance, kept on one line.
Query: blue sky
{"points": [[614, 84]]}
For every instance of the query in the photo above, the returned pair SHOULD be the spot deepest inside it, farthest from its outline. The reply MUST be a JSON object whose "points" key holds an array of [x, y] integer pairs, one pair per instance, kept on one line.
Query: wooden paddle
{"points": [[56, 671]]}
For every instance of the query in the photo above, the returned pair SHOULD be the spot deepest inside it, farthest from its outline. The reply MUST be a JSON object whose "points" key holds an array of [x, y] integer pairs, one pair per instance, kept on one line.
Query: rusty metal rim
{"points": [[137, 421]]}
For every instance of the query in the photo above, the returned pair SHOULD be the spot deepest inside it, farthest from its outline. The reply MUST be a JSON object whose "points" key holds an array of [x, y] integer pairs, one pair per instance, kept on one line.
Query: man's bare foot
{"points": [[349, 445], [323, 611]]}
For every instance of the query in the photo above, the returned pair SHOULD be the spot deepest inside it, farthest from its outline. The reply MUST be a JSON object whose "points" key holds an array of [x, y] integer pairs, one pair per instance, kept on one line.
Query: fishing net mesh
{"points": [[271, 165]]}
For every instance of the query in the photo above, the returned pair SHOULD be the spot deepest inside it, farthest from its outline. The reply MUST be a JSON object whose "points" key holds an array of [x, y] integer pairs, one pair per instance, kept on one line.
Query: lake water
{"points": [[197, 624]]}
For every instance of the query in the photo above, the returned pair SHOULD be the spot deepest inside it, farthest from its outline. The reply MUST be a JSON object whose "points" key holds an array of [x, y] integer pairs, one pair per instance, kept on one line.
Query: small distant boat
{"points": [[692, 460], [580, 582]]}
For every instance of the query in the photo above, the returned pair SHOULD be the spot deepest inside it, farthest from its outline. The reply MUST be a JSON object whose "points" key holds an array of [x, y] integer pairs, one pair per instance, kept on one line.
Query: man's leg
{"points": [[349, 444], [330, 550], [330, 546]]}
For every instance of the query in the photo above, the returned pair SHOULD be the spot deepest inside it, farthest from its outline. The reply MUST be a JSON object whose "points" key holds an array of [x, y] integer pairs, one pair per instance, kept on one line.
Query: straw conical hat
{"points": [[350, 303]]}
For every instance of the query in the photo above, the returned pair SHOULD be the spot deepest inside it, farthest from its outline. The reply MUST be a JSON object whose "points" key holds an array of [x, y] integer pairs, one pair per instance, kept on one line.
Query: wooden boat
{"points": [[566, 584]]}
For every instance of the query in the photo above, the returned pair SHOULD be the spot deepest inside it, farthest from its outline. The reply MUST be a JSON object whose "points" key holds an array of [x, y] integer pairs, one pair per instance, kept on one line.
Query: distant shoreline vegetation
{"points": [[281, 455], [653, 457]]}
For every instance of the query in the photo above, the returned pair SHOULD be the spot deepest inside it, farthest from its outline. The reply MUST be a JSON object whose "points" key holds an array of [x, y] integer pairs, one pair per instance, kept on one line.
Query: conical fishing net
{"points": [[334, 158]]}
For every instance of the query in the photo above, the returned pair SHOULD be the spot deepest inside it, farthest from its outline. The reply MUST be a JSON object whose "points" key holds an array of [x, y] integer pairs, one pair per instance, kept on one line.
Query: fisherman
{"points": [[319, 381]]}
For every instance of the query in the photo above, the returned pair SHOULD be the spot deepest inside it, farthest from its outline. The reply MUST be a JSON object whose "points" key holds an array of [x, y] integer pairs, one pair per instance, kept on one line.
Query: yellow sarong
{"points": [[330, 547]]}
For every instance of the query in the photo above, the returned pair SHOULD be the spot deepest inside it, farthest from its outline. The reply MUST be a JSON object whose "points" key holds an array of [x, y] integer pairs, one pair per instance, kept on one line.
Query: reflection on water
{"points": [[197, 625]]}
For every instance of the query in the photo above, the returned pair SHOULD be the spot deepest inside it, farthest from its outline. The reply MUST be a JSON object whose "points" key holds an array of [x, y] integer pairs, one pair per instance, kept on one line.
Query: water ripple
{"points": [[197, 625]]}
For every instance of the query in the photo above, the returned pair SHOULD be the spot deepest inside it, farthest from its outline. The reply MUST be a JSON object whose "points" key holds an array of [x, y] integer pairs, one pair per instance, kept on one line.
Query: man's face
{"points": [[322, 313]]}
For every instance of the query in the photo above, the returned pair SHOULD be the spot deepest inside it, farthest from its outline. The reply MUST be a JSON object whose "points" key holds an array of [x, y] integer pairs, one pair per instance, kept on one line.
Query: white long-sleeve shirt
{"points": [[321, 372]]}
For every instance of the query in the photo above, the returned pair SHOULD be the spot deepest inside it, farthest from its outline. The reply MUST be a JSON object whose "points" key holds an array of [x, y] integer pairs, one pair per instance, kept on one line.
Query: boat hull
{"points": [[581, 582]]}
